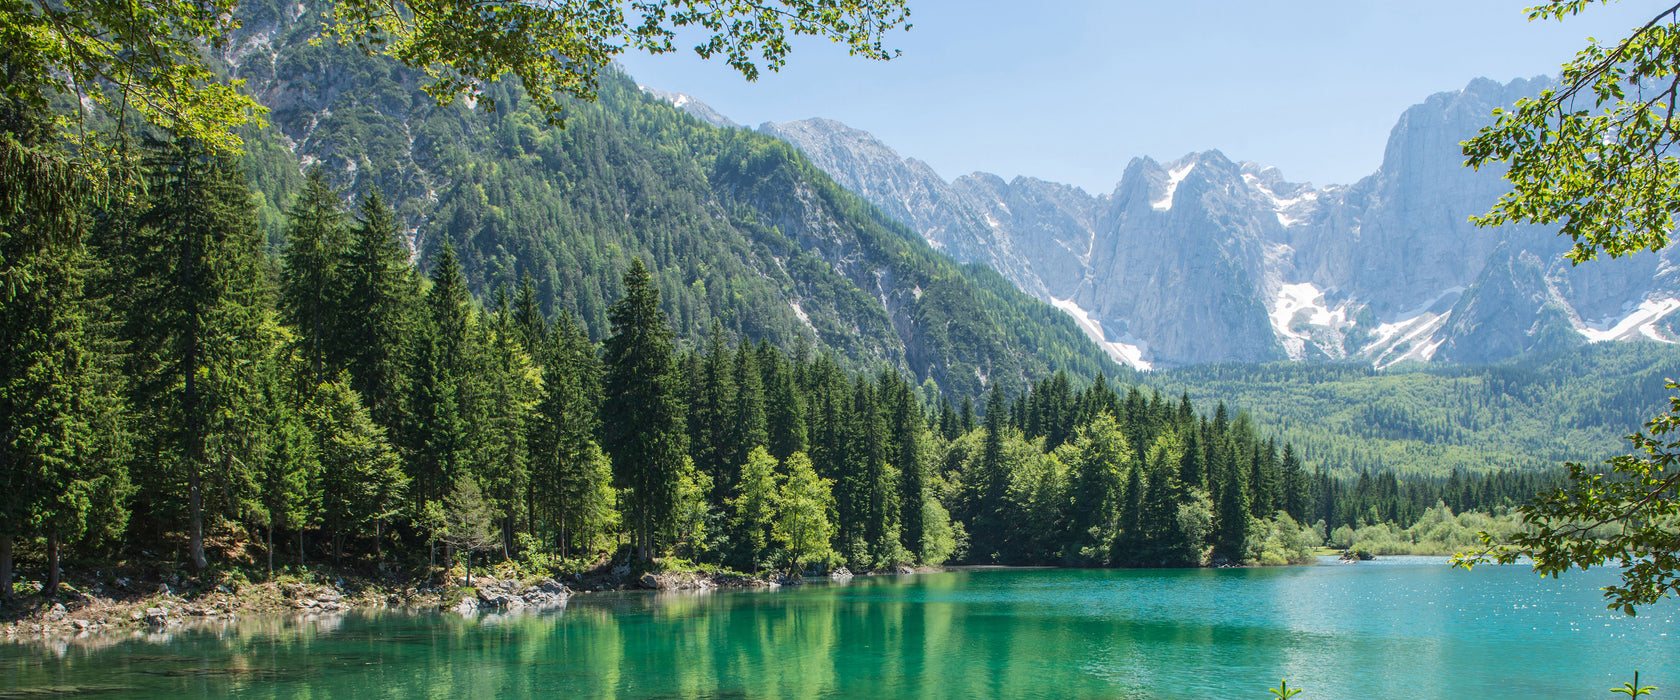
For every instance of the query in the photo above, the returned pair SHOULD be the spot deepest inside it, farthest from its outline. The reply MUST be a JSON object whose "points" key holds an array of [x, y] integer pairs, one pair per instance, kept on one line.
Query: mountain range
{"points": [[1204, 259]]}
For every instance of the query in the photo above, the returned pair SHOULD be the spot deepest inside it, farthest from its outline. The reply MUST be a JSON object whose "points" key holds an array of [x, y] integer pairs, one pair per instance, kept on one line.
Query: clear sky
{"points": [[1070, 91]]}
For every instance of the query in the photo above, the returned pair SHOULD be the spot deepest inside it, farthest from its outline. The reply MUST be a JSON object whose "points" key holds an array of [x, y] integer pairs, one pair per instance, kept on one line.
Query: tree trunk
{"points": [[52, 567], [6, 567], [195, 499], [271, 550], [300, 547], [378, 547]]}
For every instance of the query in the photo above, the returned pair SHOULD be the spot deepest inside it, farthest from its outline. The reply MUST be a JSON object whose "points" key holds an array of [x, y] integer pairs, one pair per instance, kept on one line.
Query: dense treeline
{"points": [[335, 402], [1424, 422]]}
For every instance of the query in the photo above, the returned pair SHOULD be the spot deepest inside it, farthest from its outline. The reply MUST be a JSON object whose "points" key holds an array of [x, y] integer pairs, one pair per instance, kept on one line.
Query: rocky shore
{"points": [[124, 608]]}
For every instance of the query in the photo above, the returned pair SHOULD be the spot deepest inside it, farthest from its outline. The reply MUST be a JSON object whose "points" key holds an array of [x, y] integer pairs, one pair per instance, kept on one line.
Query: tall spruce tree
{"points": [[510, 394], [642, 415], [784, 409], [439, 433], [572, 478], [311, 289], [993, 486], [748, 425], [196, 329], [374, 311], [710, 423]]}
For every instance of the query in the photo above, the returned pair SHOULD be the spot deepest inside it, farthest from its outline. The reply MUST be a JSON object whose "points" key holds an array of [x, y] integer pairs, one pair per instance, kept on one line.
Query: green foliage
{"points": [[1625, 513], [149, 55], [1282, 541], [558, 51], [1594, 153], [361, 479], [195, 322], [1283, 691], [642, 416], [1634, 689], [310, 284], [753, 510], [467, 521], [803, 523], [1529, 414], [1438, 532]]}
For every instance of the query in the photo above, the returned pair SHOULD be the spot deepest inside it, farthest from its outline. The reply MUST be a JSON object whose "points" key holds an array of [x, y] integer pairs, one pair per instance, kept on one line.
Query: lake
{"points": [[1402, 627]]}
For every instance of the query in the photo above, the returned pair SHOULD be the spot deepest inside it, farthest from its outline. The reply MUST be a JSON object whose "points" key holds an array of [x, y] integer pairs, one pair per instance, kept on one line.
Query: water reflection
{"points": [[1374, 632]]}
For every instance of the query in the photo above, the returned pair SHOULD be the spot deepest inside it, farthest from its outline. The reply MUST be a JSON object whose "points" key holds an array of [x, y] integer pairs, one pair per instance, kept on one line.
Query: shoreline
{"points": [[96, 613], [82, 614]]}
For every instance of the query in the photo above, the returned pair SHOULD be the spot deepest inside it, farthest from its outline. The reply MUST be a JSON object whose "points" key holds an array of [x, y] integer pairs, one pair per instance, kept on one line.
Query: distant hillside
{"points": [[738, 227], [1532, 413]]}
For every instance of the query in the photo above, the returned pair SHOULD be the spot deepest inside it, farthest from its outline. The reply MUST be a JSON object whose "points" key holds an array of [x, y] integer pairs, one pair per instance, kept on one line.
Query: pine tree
{"points": [[528, 318], [748, 424], [196, 328], [310, 286], [439, 435], [642, 415], [374, 313], [468, 523], [784, 410], [510, 395], [292, 468], [993, 480], [58, 471], [1294, 484], [710, 423], [1166, 543], [911, 458], [571, 477], [1231, 539]]}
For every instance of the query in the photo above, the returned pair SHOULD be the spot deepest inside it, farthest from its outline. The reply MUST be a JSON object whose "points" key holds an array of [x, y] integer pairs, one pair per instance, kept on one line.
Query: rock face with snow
{"points": [[694, 107], [1204, 259]]}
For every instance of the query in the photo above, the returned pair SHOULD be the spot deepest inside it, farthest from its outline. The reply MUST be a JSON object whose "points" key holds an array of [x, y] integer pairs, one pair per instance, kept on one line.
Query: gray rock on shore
{"points": [[512, 595]]}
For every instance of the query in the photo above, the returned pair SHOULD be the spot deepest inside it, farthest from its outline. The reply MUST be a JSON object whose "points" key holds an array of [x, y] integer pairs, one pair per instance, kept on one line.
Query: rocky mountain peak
{"points": [[1207, 259]]}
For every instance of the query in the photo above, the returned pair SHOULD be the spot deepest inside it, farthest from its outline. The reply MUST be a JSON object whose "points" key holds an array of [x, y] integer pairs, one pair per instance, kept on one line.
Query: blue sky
{"points": [[1070, 91]]}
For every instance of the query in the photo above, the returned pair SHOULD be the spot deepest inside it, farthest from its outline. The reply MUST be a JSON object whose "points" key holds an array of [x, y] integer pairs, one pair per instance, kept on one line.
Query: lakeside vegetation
{"points": [[336, 404]]}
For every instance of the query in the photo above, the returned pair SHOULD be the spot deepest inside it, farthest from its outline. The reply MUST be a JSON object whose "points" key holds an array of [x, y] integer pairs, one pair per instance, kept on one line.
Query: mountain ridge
{"points": [[1205, 259]]}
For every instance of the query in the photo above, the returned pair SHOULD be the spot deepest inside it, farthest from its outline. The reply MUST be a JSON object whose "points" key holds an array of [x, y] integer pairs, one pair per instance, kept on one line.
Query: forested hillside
{"points": [[737, 227], [1530, 414]]}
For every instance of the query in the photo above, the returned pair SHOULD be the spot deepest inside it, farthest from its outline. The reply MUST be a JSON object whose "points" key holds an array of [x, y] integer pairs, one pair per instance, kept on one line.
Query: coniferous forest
{"points": [[335, 403], [581, 343]]}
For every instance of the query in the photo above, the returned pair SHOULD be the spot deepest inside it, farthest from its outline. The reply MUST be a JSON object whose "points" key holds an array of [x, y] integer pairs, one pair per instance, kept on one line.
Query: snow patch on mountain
{"points": [[1174, 176], [1413, 339], [1293, 299], [1640, 322], [1123, 353]]}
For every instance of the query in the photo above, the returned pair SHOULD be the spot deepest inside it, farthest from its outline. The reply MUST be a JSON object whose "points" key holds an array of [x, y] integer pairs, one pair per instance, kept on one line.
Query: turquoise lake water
{"points": [[1404, 627]]}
